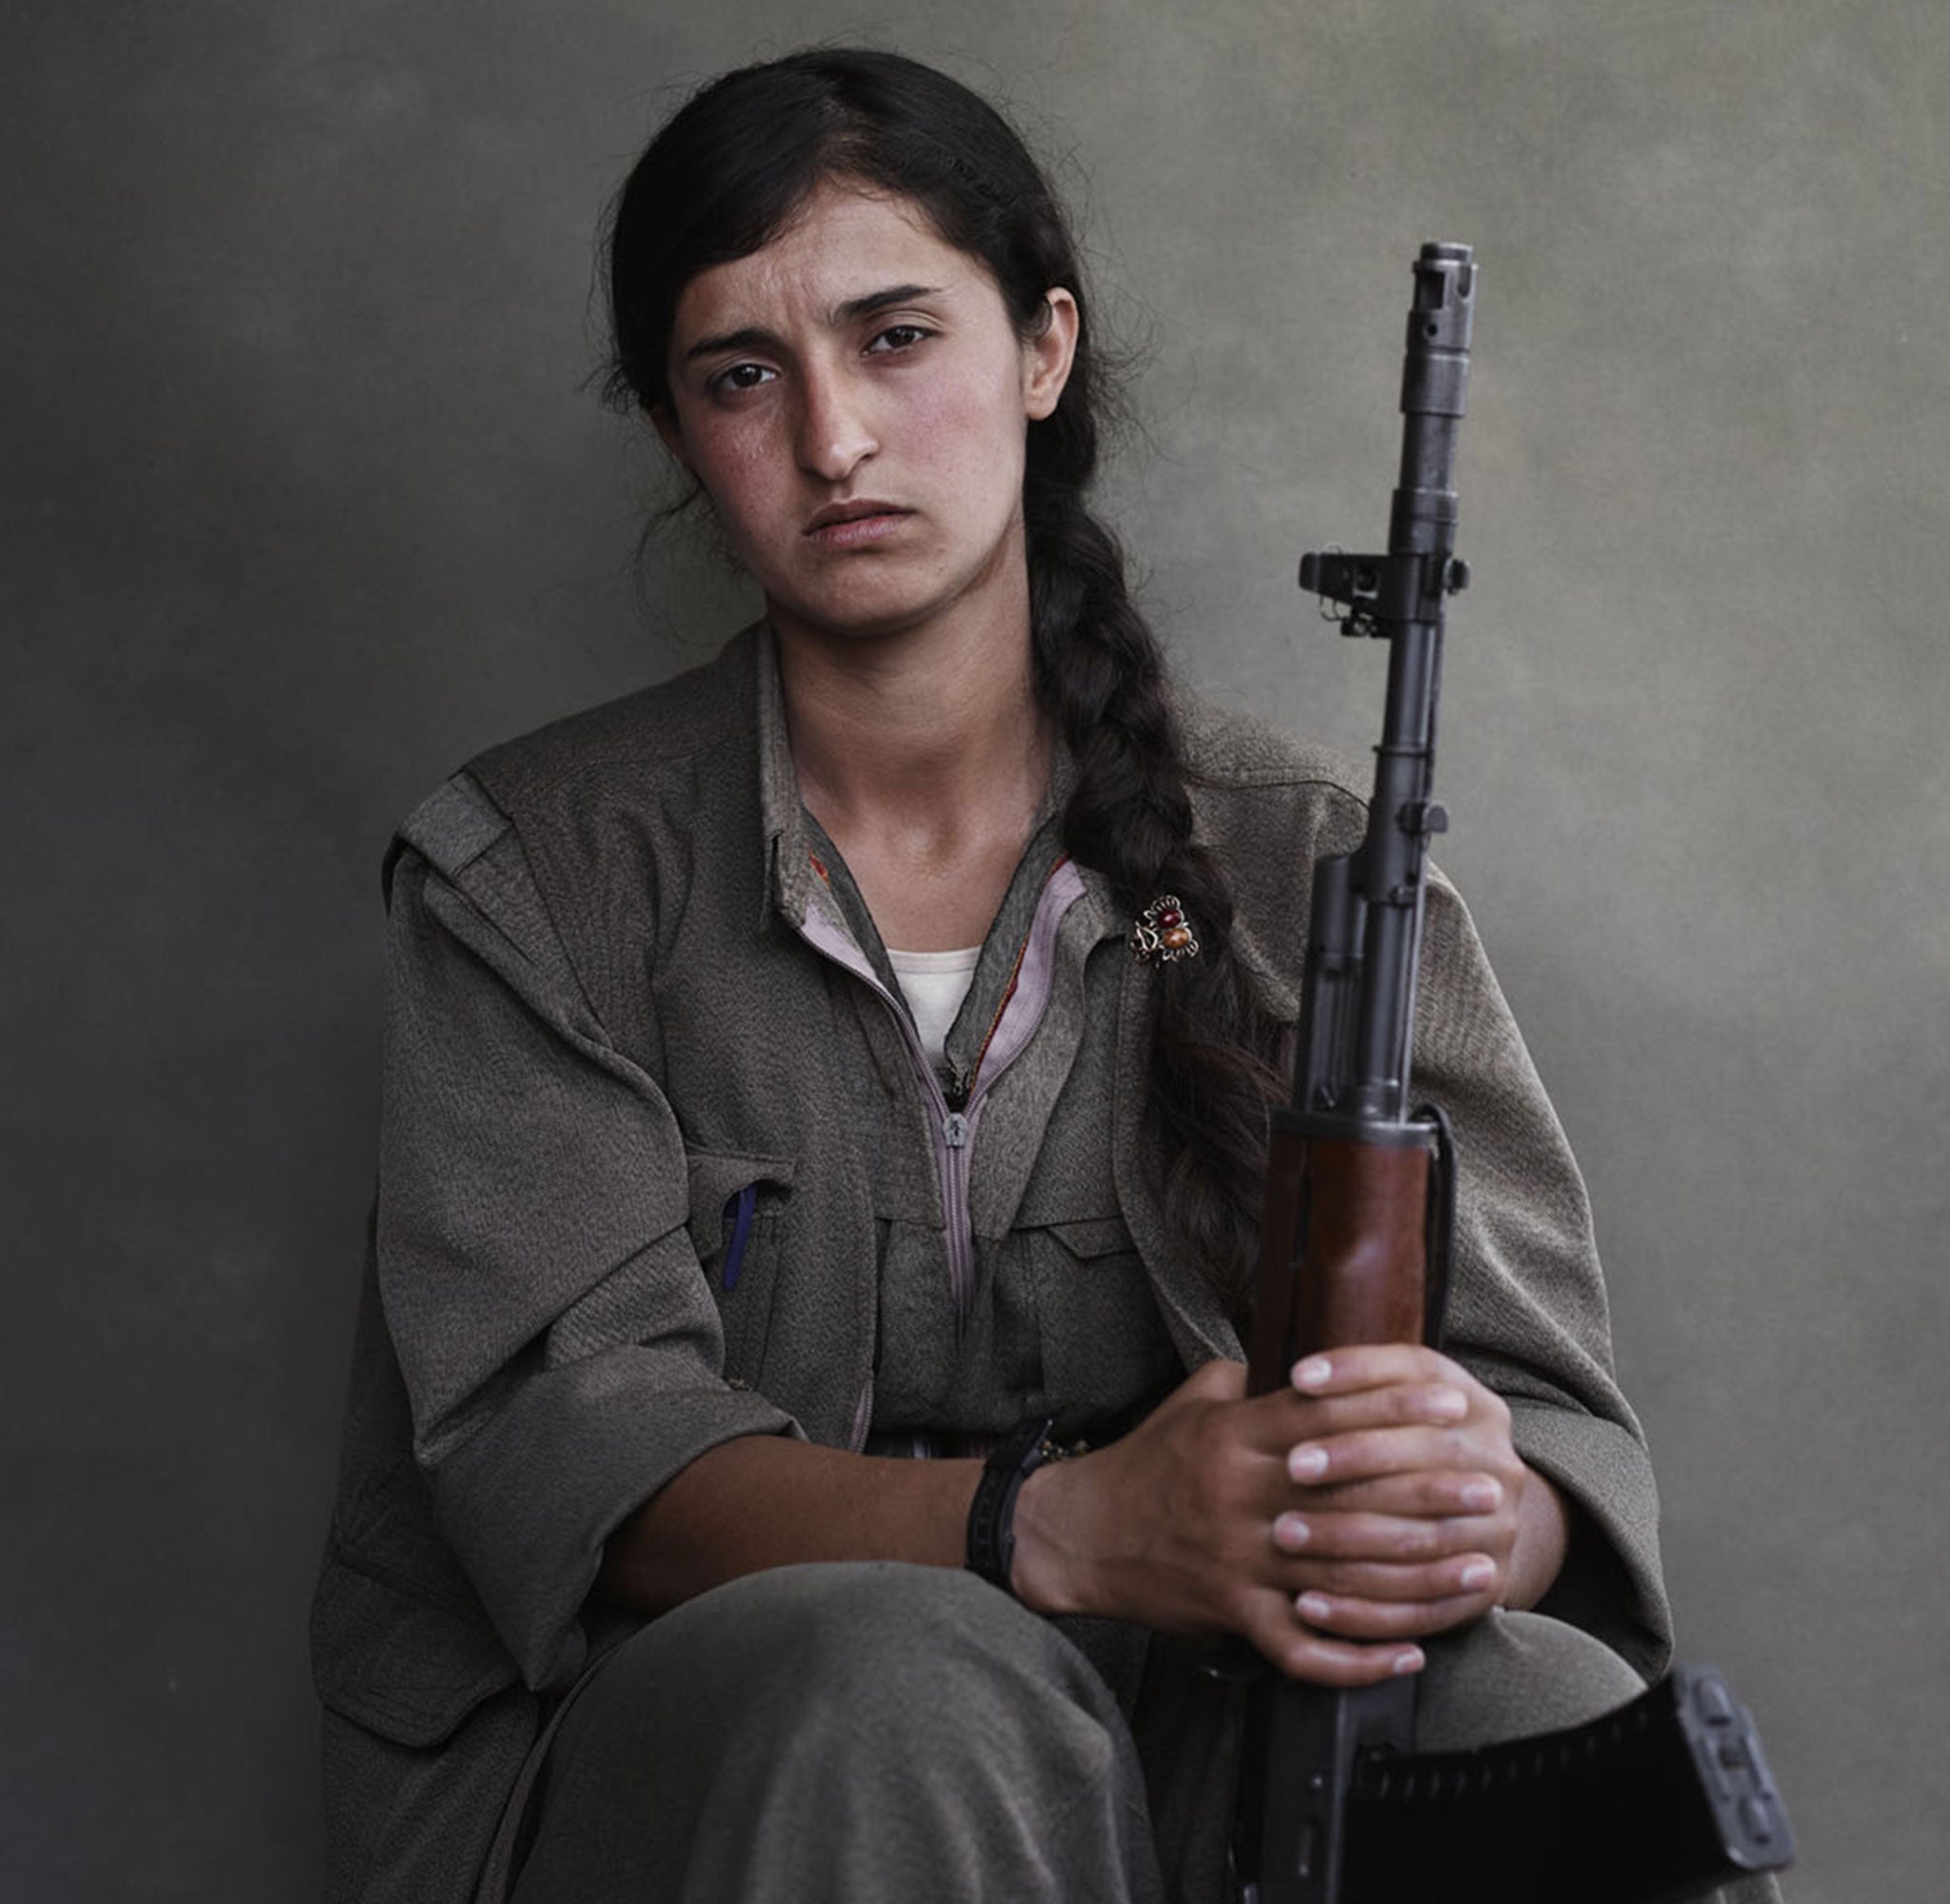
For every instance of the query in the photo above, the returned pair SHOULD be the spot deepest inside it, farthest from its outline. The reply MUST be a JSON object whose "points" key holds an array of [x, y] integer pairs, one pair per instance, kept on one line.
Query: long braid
{"points": [[1213, 1054]]}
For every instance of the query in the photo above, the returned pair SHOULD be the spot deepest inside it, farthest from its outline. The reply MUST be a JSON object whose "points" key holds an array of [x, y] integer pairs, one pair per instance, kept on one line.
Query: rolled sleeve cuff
{"points": [[529, 1501], [1611, 1583]]}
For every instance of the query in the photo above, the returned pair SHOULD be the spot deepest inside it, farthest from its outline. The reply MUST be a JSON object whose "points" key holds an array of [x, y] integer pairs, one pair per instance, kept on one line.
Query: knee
{"points": [[841, 1722], [1511, 1675], [880, 1648], [900, 1647], [904, 1622]]}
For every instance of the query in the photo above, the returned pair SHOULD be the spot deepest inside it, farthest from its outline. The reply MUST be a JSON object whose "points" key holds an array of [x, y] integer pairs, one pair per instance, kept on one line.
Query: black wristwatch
{"points": [[992, 1513]]}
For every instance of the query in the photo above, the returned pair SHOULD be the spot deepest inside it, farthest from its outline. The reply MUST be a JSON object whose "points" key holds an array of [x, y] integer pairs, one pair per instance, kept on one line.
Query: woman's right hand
{"points": [[1173, 1525]]}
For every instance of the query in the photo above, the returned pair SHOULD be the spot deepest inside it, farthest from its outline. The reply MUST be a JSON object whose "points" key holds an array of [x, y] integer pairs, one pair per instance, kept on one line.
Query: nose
{"points": [[836, 431]]}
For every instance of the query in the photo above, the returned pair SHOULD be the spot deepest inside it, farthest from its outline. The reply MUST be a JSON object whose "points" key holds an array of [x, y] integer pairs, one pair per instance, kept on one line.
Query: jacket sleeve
{"points": [[1527, 1312], [560, 1345]]}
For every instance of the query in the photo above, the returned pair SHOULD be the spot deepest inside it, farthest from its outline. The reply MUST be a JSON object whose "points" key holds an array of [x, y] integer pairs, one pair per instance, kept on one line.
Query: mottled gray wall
{"points": [[304, 500]]}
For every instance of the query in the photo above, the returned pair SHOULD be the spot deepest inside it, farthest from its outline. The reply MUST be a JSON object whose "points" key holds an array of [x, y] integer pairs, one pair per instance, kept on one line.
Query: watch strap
{"points": [[992, 1514]]}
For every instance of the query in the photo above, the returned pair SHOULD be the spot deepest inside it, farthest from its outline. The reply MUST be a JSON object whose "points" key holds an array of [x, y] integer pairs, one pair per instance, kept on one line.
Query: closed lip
{"points": [[852, 512]]}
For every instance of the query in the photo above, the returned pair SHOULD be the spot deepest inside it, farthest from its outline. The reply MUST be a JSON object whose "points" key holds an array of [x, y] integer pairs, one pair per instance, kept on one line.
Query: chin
{"points": [[888, 625], [863, 615]]}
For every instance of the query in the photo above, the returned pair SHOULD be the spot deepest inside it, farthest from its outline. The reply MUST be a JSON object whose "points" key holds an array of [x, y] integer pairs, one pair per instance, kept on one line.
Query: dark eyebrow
{"points": [[755, 337], [873, 301], [751, 338]]}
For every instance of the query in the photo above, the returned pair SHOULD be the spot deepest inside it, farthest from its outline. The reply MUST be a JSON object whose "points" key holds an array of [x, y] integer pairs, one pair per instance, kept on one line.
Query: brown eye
{"points": [[742, 377], [900, 337]]}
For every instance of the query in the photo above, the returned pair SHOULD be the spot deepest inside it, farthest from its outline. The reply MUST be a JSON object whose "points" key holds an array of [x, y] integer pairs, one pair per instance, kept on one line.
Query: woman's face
{"points": [[854, 400]]}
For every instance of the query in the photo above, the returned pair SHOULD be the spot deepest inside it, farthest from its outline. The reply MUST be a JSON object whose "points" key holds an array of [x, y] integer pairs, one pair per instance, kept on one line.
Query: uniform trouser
{"points": [[883, 1734]]}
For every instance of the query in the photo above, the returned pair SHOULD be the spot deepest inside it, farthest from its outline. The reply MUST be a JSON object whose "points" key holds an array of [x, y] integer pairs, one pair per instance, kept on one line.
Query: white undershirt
{"points": [[934, 985]]}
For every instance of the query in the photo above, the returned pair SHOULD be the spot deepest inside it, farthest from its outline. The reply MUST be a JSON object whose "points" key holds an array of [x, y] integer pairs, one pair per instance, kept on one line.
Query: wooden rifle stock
{"points": [[1345, 1246], [1352, 1246]]}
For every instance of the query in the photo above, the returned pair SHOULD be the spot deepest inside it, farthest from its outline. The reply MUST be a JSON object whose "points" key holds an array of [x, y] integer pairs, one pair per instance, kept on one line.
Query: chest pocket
{"points": [[739, 1212], [1104, 1346]]}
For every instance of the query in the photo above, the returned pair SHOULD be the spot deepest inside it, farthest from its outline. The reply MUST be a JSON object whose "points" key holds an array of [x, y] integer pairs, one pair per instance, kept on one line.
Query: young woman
{"points": [[778, 1117]]}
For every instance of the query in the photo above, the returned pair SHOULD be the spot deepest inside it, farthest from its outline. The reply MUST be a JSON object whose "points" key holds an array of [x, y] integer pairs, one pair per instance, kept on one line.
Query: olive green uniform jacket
{"points": [[628, 992]]}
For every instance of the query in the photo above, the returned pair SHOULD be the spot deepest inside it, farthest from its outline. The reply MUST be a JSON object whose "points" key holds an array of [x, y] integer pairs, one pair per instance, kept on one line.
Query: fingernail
{"points": [[1482, 1495], [1479, 1573], [1291, 1531], [1313, 1373], [1448, 1404], [1308, 1463], [1411, 1661], [1313, 1607]]}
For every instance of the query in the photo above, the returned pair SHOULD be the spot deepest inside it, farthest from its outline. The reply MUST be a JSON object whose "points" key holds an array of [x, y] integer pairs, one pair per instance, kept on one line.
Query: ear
{"points": [[1046, 357], [671, 431]]}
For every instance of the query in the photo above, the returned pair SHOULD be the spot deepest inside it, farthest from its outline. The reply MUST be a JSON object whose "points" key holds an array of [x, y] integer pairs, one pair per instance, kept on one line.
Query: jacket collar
{"points": [[797, 877], [790, 876]]}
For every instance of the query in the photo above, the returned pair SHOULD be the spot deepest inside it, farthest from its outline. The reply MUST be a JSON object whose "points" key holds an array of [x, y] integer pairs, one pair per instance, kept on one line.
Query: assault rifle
{"points": [[1335, 1806]]}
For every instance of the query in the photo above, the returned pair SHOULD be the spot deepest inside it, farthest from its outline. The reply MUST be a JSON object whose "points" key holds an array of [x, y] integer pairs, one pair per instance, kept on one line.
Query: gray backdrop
{"points": [[306, 499]]}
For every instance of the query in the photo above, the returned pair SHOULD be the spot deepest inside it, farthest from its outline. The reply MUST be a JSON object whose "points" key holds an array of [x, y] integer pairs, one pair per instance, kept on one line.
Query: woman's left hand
{"points": [[1382, 1507]]}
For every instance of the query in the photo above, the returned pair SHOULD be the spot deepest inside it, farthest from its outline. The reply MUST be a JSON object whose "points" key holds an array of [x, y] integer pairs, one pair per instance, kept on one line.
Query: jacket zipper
{"points": [[1020, 1014]]}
